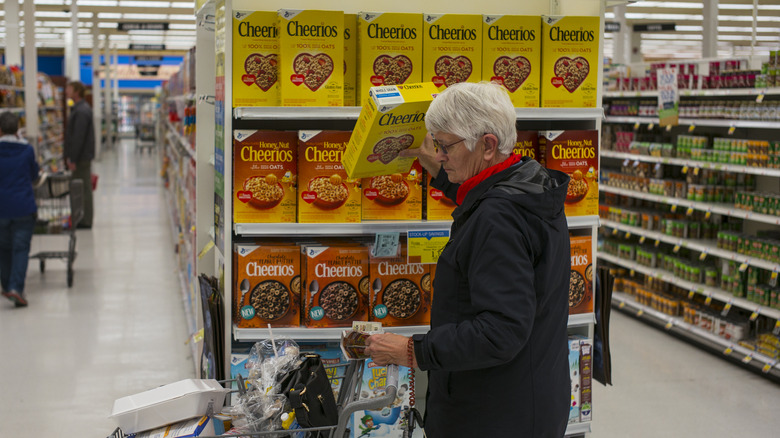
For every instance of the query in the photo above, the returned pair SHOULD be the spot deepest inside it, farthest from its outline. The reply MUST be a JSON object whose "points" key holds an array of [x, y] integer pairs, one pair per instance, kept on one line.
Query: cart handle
{"points": [[391, 390]]}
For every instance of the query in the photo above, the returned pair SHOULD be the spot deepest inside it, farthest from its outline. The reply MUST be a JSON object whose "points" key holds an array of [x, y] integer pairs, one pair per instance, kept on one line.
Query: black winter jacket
{"points": [[80, 134], [496, 353]]}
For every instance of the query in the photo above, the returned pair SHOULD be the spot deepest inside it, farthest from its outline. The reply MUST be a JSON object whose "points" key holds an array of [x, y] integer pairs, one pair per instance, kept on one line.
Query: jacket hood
{"points": [[528, 185], [11, 146]]}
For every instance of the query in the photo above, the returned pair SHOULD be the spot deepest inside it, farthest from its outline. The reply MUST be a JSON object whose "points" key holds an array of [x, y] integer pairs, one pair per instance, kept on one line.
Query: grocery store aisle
{"points": [[664, 387], [118, 331]]}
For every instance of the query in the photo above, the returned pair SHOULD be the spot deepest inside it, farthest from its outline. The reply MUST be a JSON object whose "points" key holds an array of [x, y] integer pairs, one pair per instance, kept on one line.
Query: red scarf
{"points": [[472, 182]]}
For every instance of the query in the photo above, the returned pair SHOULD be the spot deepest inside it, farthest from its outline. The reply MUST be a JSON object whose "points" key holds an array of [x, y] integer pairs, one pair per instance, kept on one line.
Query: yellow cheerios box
{"points": [[311, 57], [350, 59], [511, 52], [255, 59], [392, 119], [391, 49], [453, 48], [570, 59]]}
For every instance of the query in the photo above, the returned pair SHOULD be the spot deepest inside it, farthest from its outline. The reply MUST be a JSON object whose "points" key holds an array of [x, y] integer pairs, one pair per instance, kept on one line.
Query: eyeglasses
{"points": [[445, 147]]}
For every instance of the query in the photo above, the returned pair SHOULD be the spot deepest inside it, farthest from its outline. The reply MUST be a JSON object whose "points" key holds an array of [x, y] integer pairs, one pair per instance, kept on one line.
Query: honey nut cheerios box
{"points": [[527, 145], [392, 119], [453, 49], [576, 154], [311, 57], [325, 193], [350, 60], [400, 291], [267, 285], [265, 176], [511, 53], [570, 61], [391, 49], [438, 207], [255, 59], [394, 197], [337, 283], [581, 277]]}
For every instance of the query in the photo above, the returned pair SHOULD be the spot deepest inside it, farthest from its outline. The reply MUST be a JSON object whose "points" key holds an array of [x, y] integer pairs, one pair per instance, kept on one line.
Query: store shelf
{"points": [[183, 98], [179, 140], [578, 428], [707, 246], [722, 209], [720, 123], [12, 110], [11, 88], [626, 303], [732, 92], [714, 293], [352, 112], [692, 163], [581, 319]]}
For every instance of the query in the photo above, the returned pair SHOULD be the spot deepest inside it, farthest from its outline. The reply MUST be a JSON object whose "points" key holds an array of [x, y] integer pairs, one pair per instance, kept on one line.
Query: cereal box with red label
{"points": [[576, 153], [337, 285], [255, 59], [511, 51], [400, 291], [394, 197], [438, 207], [453, 48], [581, 276], [570, 61]]}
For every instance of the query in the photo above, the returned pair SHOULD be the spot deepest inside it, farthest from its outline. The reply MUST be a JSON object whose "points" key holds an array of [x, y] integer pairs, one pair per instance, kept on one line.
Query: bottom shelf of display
{"points": [[578, 428]]}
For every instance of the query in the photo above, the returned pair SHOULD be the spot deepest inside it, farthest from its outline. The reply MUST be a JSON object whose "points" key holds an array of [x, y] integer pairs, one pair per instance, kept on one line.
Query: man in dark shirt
{"points": [[80, 145]]}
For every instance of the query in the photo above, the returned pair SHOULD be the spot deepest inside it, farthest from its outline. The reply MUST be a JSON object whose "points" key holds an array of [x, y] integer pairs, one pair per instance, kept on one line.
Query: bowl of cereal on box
{"points": [[331, 191], [390, 189], [267, 191], [578, 188]]}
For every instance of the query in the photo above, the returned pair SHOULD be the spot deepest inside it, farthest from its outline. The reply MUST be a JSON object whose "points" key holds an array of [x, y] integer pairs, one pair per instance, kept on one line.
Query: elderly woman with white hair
{"points": [[496, 352]]}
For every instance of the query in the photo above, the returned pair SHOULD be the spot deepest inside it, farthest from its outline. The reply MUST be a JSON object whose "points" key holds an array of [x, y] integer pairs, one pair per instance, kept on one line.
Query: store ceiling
{"points": [[735, 22]]}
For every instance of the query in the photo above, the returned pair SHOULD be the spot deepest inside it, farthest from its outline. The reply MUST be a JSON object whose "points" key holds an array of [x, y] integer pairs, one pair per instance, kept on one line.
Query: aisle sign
{"points": [[668, 97], [426, 246]]}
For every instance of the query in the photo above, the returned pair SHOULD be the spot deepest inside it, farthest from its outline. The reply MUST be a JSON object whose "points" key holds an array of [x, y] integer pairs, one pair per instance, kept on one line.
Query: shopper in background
{"points": [[80, 145], [496, 352], [18, 170]]}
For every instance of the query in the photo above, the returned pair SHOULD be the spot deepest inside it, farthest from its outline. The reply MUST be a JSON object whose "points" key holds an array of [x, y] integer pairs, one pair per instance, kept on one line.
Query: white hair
{"points": [[470, 110]]}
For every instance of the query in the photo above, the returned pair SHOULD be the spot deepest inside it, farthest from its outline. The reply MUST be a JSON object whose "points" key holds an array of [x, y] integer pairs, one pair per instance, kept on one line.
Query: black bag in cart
{"points": [[309, 392]]}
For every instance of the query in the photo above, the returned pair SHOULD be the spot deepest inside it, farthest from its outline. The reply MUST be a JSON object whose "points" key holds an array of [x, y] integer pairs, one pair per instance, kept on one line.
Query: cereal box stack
{"points": [[350, 60], [453, 49], [570, 57], [576, 154], [528, 145], [255, 59], [337, 285], [325, 193], [268, 285], [391, 50], [437, 206], [511, 52], [392, 119], [264, 176], [394, 197], [311, 57], [400, 291], [581, 283]]}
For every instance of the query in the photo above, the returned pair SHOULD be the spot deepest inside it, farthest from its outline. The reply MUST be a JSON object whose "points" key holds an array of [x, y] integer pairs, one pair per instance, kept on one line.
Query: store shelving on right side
{"points": [[691, 217]]}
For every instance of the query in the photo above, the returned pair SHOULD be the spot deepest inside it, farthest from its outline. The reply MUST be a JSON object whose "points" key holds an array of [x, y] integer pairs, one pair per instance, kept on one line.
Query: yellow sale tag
{"points": [[676, 248], [728, 351], [657, 243], [702, 256], [691, 128], [622, 305], [727, 307], [628, 234], [206, 249], [777, 324], [685, 169], [691, 294], [426, 246], [636, 126], [632, 272], [640, 312], [614, 231], [674, 208], [773, 276], [747, 359], [708, 301], [689, 211], [643, 238], [732, 129], [754, 316], [651, 126], [760, 97], [668, 128], [743, 267], [198, 336], [707, 214], [696, 171], [766, 368], [669, 325]]}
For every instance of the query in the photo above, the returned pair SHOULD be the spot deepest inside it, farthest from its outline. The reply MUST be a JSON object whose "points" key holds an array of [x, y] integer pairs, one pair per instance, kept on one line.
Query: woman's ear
{"points": [[491, 147]]}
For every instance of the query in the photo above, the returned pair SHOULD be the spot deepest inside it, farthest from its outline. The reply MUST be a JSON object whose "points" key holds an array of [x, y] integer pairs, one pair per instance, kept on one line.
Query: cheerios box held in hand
{"points": [[392, 119], [570, 61]]}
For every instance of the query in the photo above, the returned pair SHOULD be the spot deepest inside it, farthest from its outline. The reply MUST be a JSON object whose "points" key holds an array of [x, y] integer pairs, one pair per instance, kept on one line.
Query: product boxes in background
{"points": [[392, 119], [581, 276], [576, 154], [511, 55], [267, 285], [391, 50], [325, 193], [255, 59], [394, 197], [239, 366], [400, 291], [350, 60], [388, 421], [570, 55], [574, 376], [438, 207], [337, 285], [527, 145], [453, 48], [265, 171], [311, 57], [586, 380]]}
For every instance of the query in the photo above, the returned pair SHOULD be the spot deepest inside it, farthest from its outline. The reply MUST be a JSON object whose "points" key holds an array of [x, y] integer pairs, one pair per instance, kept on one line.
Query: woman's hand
{"points": [[426, 154], [389, 348]]}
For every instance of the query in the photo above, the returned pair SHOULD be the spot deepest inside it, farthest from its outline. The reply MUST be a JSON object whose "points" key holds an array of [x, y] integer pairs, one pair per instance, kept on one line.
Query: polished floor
{"points": [[121, 330]]}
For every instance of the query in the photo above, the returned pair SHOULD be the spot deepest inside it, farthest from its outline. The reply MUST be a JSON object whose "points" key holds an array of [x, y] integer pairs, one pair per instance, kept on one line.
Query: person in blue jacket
{"points": [[18, 170], [496, 352]]}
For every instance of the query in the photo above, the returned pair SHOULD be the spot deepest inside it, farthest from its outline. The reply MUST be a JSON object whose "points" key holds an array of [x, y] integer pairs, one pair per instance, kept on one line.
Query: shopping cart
{"points": [[348, 403], [60, 202]]}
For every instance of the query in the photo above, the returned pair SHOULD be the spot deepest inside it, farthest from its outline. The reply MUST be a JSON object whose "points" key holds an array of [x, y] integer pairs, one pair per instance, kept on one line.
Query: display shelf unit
{"points": [[693, 164], [721, 123], [704, 338], [731, 92], [722, 209]]}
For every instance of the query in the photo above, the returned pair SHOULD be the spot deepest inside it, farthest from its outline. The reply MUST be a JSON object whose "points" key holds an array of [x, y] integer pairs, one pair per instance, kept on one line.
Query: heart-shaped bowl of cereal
{"points": [[578, 188], [390, 189], [331, 191], [267, 191]]}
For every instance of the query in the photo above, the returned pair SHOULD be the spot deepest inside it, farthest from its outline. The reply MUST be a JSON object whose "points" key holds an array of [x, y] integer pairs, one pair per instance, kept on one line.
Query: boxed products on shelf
{"points": [[570, 54], [764, 203], [393, 197], [581, 276], [574, 376], [265, 172], [576, 154], [453, 49], [586, 379], [400, 291], [255, 59], [511, 53], [391, 50], [437, 206], [351, 57], [527, 145], [311, 57], [325, 192]]}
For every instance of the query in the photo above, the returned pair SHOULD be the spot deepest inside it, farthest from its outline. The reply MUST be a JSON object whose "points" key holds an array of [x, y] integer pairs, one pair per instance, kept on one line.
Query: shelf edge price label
{"points": [[657, 243], [643, 238], [732, 128], [669, 325], [696, 171], [703, 255], [628, 234], [726, 308], [426, 246], [743, 267], [728, 350], [636, 126], [760, 97], [689, 211], [622, 305], [685, 169], [754, 315], [640, 312], [674, 208], [708, 214], [650, 126], [691, 128], [668, 128], [776, 330], [747, 359], [773, 278], [691, 294], [632, 272], [708, 300], [676, 248], [614, 231], [768, 367]]}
